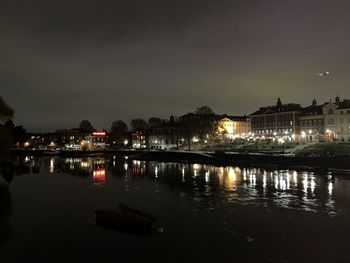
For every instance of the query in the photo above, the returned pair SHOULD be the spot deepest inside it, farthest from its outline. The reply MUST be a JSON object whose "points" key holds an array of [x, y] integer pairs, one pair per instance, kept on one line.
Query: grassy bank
{"points": [[256, 147], [325, 149]]}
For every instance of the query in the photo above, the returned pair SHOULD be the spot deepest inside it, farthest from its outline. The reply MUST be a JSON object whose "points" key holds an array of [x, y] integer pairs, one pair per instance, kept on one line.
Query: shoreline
{"points": [[217, 158]]}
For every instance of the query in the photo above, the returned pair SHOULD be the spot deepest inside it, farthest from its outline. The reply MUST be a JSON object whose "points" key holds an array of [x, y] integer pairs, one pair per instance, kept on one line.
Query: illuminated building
{"points": [[337, 120], [241, 125], [312, 123], [233, 126], [277, 120], [165, 136], [96, 140], [225, 127], [138, 140]]}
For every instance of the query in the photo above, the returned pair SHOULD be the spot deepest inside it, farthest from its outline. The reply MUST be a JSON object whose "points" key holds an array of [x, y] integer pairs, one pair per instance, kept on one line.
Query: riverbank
{"points": [[276, 160]]}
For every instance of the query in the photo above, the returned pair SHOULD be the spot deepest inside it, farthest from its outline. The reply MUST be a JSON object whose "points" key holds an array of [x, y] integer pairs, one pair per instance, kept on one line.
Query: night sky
{"points": [[64, 61]]}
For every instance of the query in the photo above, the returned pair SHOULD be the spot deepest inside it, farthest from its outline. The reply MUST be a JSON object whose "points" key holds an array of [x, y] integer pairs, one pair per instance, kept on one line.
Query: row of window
{"points": [[331, 112], [309, 123], [312, 113], [342, 120], [274, 130]]}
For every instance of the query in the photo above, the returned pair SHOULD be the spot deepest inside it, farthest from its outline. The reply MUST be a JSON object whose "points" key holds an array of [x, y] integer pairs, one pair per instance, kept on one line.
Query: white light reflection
{"points": [[312, 184], [305, 183], [282, 183], [295, 178], [244, 174], [276, 182], [288, 180], [330, 188], [156, 171], [207, 176], [195, 169], [52, 165]]}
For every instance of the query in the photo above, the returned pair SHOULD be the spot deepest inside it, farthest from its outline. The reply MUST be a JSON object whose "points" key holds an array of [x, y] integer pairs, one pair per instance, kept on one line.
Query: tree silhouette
{"points": [[6, 112], [138, 124], [154, 121], [204, 110], [86, 126], [118, 131]]}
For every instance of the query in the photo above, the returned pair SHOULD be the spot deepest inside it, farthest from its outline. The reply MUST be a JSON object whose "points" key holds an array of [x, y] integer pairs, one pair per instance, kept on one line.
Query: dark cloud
{"points": [[63, 61]]}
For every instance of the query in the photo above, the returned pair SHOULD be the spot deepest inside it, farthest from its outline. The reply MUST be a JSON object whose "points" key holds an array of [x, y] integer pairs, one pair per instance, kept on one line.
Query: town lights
{"points": [[26, 144], [310, 131], [125, 142], [195, 139], [303, 134]]}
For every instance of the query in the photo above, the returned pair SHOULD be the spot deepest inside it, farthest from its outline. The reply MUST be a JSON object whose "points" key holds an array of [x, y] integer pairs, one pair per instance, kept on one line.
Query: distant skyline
{"points": [[65, 61]]}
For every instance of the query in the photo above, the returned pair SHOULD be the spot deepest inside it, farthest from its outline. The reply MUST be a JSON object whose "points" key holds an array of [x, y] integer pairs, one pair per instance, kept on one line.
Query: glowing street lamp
{"points": [[195, 139]]}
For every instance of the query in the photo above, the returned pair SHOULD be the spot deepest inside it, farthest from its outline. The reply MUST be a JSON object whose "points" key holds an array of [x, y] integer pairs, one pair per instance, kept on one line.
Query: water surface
{"points": [[222, 214]]}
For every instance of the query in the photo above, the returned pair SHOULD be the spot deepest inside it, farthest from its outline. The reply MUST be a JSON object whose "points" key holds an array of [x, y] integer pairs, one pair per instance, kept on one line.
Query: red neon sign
{"points": [[99, 133]]}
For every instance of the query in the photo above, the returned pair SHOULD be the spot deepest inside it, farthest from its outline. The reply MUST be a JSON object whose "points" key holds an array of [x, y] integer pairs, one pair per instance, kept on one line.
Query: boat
{"points": [[127, 209], [124, 222]]}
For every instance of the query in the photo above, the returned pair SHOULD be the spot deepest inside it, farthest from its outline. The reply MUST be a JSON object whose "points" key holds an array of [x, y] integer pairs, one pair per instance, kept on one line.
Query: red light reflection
{"points": [[99, 177]]}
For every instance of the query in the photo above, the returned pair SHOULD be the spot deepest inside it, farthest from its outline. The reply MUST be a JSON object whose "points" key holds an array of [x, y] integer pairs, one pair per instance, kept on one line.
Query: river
{"points": [[208, 213]]}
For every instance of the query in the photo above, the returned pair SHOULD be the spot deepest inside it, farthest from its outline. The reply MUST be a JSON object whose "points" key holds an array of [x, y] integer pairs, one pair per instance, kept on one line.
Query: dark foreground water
{"points": [[209, 214]]}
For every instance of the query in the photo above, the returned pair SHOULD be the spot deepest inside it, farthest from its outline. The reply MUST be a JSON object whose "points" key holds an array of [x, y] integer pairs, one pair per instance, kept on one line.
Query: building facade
{"points": [[337, 120], [230, 127], [165, 136], [139, 140], [241, 125], [312, 123], [277, 120]]}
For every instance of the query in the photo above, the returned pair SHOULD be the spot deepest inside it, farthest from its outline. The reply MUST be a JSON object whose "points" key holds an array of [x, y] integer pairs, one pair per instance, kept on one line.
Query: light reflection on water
{"points": [[286, 189]]}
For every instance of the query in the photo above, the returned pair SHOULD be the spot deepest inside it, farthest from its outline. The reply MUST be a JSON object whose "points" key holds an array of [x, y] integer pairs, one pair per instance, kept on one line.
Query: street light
{"points": [[125, 143]]}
